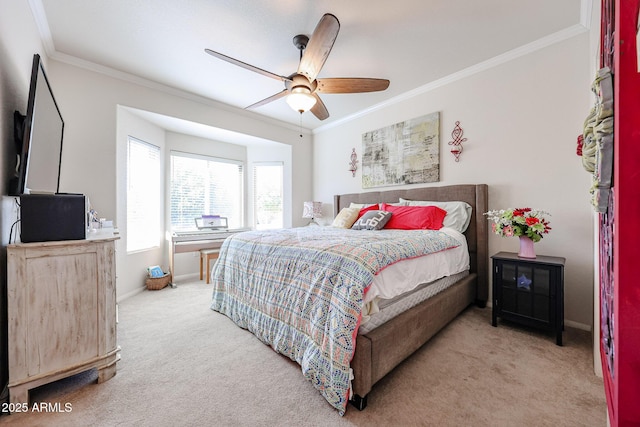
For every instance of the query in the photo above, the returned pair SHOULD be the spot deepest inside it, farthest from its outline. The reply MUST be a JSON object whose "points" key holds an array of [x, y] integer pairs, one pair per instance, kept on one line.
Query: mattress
{"points": [[406, 275], [405, 284], [387, 309]]}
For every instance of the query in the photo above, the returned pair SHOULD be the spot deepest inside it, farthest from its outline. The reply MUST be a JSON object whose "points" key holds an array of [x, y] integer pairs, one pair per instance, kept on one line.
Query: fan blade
{"points": [[246, 66], [351, 85], [268, 100], [319, 110], [319, 46]]}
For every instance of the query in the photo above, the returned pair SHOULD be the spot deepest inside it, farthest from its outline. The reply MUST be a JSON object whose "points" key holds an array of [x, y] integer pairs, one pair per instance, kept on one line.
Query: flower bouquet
{"points": [[519, 222]]}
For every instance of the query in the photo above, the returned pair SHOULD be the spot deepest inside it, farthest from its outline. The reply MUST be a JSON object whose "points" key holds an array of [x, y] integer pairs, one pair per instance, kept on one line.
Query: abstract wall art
{"points": [[407, 152]]}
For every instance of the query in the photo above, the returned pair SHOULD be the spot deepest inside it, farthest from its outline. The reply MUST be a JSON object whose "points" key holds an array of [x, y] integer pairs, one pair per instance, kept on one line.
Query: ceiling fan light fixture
{"points": [[301, 99], [302, 88]]}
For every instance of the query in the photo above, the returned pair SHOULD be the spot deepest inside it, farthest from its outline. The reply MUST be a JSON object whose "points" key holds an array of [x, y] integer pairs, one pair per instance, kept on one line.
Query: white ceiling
{"points": [[412, 43]]}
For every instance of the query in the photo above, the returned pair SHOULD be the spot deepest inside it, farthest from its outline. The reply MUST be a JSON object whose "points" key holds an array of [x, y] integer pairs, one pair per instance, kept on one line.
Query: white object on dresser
{"points": [[62, 311]]}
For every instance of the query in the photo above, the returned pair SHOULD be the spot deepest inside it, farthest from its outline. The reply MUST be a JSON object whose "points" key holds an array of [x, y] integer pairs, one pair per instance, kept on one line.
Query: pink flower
{"points": [[508, 231]]}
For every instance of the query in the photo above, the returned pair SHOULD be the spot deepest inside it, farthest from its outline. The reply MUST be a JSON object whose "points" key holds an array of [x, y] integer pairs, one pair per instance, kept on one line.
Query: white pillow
{"points": [[458, 213]]}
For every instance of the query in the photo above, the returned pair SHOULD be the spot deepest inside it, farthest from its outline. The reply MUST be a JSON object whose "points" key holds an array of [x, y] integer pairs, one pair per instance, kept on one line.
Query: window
{"points": [[202, 185], [268, 195], [143, 195]]}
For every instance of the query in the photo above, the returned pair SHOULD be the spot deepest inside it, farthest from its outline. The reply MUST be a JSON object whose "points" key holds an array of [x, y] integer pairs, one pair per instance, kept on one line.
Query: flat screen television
{"points": [[38, 137]]}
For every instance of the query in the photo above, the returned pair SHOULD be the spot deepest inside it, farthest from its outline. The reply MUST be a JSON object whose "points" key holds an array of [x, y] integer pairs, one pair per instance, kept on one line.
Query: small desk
{"points": [[194, 241]]}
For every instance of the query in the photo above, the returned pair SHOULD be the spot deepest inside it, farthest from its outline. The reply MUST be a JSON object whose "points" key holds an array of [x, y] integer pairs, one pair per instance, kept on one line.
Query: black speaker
{"points": [[50, 217]]}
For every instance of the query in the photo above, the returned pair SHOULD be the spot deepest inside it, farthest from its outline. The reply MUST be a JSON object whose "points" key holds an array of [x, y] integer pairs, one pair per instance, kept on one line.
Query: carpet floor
{"points": [[185, 365]]}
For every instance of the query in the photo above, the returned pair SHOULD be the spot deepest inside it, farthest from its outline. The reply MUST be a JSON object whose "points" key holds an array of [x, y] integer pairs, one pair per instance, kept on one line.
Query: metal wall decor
{"points": [[456, 144], [353, 165]]}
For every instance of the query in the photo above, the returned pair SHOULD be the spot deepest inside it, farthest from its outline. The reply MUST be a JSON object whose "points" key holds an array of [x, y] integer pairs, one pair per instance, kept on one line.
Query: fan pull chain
{"points": [[300, 124]]}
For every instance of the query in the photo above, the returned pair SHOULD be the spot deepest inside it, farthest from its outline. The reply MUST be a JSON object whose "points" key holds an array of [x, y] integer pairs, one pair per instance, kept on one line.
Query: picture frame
{"points": [[407, 152]]}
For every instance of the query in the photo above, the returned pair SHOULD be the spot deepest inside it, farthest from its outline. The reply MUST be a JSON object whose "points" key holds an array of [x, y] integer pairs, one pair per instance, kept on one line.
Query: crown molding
{"points": [[40, 18], [37, 9], [534, 46], [586, 8], [150, 84]]}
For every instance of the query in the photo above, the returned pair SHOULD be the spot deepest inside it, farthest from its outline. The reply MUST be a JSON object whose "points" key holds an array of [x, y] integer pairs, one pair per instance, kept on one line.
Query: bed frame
{"points": [[382, 349]]}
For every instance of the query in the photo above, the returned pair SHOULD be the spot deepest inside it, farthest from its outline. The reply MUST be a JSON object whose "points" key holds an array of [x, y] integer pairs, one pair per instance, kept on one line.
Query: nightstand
{"points": [[529, 291]]}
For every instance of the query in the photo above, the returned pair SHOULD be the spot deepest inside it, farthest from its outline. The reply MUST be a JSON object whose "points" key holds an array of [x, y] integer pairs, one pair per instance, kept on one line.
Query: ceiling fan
{"points": [[302, 87]]}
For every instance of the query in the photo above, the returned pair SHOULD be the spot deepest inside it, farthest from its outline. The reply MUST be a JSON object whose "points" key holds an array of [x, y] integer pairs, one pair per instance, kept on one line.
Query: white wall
{"points": [[89, 103], [521, 119], [131, 267]]}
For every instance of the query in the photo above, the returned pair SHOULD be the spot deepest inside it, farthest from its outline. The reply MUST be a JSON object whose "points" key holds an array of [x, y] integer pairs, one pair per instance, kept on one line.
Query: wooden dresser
{"points": [[61, 299]]}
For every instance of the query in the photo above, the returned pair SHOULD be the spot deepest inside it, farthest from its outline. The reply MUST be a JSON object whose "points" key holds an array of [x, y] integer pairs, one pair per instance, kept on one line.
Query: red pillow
{"points": [[374, 207], [414, 217]]}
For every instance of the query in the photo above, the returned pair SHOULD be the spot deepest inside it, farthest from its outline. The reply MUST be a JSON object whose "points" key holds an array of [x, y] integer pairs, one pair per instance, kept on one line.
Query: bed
{"points": [[348, 363]]}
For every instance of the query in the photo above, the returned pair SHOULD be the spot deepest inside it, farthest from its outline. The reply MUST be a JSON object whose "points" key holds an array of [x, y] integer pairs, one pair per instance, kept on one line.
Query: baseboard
{"points": [[192, 277], [577, 325], [130, 294]]}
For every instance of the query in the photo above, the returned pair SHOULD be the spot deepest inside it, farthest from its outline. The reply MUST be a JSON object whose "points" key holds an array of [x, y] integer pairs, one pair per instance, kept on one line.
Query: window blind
{"points": [[143, 195], [202, 185], [268, 195]]}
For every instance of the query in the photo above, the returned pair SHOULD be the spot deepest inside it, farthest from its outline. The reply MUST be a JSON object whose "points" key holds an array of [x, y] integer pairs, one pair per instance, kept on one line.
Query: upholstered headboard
{"points": [[477, 232]]}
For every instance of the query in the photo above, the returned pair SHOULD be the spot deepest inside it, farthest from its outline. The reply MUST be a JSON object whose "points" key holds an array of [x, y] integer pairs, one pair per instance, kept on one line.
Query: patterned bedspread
{"points": [[301, 291]]}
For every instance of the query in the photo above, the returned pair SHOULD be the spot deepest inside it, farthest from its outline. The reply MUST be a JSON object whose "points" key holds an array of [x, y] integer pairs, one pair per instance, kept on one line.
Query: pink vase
{"points": [[526, 248]]}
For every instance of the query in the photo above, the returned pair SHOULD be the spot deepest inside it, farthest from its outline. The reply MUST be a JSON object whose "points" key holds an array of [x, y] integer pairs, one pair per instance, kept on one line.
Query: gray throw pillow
{"points": [[372, 220]]}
